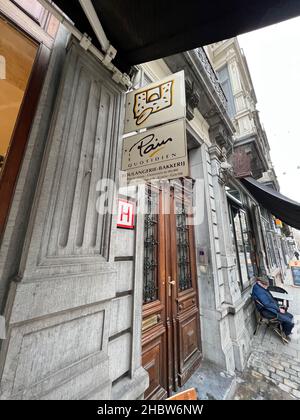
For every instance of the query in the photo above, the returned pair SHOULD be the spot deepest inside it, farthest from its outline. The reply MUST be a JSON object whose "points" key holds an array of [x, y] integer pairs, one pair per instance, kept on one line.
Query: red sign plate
{"points": [[125, 214]]}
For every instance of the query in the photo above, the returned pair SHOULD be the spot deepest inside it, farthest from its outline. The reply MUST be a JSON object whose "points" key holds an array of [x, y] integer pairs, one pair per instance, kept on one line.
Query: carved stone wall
{"points": [[69, 317]]}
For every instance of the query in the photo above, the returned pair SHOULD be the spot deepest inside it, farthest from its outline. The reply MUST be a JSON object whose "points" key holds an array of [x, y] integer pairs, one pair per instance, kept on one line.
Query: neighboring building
{"points": [[250, 138], [93, 311], [251, 144]]}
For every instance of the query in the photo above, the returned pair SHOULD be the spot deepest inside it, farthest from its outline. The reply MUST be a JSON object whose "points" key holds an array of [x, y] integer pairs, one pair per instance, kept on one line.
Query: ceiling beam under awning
{"points": [[86, 43], [95, 23], [280, 206]]}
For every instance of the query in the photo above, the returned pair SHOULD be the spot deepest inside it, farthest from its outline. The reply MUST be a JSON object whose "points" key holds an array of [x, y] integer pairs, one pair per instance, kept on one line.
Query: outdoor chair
{"points": [[269, 320]]}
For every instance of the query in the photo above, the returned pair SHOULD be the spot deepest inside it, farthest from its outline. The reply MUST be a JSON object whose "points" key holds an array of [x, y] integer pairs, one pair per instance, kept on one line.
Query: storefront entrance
{"points": [[171, 349]]}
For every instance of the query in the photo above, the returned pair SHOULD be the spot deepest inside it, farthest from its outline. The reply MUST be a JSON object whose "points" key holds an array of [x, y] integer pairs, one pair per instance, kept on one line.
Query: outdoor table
{"points": [[283, 296]]}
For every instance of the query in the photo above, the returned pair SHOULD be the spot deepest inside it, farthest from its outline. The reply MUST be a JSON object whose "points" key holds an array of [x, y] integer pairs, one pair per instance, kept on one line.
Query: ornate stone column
{"points": [[233, 324]]}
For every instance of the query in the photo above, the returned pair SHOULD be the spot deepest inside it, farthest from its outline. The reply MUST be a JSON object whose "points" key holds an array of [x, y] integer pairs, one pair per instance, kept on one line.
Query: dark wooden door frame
{"points": [[169, 301], [10, 171], [185, 304], [176, 311], [156, 337]]}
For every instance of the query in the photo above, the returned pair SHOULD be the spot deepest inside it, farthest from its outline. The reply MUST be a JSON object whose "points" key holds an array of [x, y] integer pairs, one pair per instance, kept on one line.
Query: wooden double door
{"points": [[171, 348]]}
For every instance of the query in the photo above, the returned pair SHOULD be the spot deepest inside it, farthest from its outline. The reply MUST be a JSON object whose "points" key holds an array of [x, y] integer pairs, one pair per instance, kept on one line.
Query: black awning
{"points": [[280, 206], [144, 30]]}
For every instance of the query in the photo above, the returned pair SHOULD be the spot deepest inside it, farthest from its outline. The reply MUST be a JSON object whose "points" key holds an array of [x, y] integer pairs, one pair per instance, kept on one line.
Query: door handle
{"points": [[170, 284]]}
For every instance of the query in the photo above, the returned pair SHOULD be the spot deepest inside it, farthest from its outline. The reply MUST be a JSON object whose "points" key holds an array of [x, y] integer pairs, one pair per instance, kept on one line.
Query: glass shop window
{"points": [[271, 248], [269, 239], [244, 250], [232, 191]]}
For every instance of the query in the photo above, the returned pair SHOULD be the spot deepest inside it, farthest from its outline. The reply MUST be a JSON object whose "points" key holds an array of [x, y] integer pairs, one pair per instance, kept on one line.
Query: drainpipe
{"points": [[85, 40]]}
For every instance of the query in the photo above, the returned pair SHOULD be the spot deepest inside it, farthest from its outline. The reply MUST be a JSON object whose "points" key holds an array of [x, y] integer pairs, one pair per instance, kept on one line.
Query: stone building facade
{"points": [[71, 282], [250, 140], [68, 290]]}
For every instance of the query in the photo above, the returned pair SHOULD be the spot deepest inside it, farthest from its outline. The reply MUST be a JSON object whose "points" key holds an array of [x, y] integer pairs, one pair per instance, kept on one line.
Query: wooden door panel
{"points": [[189, 338], [188, 333], [184, 274], [189, 349], [171, 335], [186, 301], [154, 351], [154, 335]]}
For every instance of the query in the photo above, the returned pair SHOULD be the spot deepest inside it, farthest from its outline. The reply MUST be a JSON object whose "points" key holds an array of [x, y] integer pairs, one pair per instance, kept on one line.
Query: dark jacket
{"points": [[265, 298]]}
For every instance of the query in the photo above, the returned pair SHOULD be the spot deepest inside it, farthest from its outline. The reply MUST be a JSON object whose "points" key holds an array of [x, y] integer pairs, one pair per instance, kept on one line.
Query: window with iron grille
{"points": [[151, 244]]}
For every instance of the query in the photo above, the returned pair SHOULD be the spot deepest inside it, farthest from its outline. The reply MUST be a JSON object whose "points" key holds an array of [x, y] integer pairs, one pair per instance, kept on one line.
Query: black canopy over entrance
{"points": [[144, 30], [280, 206]]}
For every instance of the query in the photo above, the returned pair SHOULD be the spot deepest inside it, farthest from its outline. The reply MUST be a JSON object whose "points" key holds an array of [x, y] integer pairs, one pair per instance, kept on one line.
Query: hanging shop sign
{"points": [[156, 103], [159, 153], [125, 214]]}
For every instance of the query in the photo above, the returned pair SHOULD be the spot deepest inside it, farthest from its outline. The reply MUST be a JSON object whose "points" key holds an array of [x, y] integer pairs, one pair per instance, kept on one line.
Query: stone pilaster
{"points": [[233, 326]]}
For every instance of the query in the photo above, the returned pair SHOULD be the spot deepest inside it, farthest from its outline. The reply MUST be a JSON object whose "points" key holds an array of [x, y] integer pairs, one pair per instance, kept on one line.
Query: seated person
{"points": [[270, 308]]}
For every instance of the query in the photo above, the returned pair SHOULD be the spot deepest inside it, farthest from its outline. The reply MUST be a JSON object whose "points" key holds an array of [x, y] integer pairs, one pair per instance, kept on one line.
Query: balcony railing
{"points": [[212, 75]]}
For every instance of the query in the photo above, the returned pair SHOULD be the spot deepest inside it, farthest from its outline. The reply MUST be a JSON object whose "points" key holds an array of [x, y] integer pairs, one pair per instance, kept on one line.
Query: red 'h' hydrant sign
{"points": [[125, 214]]}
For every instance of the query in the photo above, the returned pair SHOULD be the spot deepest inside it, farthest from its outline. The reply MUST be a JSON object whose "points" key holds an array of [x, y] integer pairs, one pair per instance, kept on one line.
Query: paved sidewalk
{"points": [[273, 368]]}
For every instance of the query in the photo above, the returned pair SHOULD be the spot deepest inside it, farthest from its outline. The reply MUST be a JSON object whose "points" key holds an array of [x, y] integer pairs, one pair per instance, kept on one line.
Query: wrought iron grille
{"points": [[212, 75], [183, 248], [151, 247]]}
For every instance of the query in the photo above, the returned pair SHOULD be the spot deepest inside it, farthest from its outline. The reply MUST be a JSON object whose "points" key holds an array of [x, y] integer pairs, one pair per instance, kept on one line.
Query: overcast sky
{"points": [[273, 55]]}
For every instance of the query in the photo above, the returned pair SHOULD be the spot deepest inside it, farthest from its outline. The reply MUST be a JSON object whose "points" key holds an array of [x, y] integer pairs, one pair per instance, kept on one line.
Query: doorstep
{"points": [[211, 382]]}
